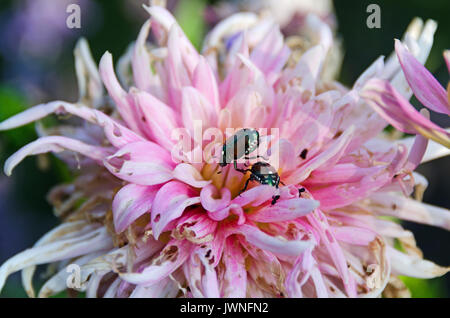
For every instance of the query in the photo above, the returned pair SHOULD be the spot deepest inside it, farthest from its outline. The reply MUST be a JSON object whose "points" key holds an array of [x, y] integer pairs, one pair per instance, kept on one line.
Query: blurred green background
{"points": [[36, 65]]}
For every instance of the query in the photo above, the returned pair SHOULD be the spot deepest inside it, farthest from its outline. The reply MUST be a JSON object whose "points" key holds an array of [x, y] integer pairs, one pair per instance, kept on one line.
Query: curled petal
{"points": [[408, 209], [55, 144], [143, 163], [170, 202], [412, 265], [172, 256], [130, 203], [124, 103], [62, 249], [425, 87], [188, 174], [210, 202]]}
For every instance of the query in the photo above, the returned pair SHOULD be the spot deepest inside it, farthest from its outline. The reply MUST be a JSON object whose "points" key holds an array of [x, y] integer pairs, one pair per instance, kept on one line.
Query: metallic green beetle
{"points": [[263, 173], [241, 144]]}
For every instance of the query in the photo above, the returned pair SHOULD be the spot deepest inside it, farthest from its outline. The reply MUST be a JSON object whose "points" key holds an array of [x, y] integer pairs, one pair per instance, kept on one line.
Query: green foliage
{"points": [[425, 288], [189, 15]]}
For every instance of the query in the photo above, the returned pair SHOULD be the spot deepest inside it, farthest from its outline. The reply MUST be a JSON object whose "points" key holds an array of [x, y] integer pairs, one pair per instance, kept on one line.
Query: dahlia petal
{"points": [[112, 289], [195, 107], [272, 244], [208, 199], [336, 253], [90, 86], [210, 282], [142, 71], [42, 110], [195, 226], [161, 120], [58, 282], [425, 87], [417, 152], [55, 144], [341, 173], [374, 70], [55, 251], [340, 195], [353, 235], [166, 288], [335, 151], [433, 151], [234, 284], [284, 153], [205, 82], [413, 266], [131, 202], [173, 256], [284, 210], [396, 110], [233, 24], [170, 202], [270, 53], [117, 93], [143, 163], [408, 209], [188, 174], [64, 230], [222, 214], [255, 196]]}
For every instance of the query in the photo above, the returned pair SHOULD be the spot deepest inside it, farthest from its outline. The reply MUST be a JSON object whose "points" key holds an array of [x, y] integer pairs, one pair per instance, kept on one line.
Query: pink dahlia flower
{"points": [[145, 218]]}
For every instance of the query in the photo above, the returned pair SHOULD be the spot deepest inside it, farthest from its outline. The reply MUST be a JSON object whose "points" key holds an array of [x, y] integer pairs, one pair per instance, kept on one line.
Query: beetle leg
{"points": [[258, 156], [282, 182], [245, 186], [275, 199]]}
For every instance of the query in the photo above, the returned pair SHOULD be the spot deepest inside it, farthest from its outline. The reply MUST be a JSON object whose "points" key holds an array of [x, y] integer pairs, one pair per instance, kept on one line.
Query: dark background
{"points": [[111, 25]]}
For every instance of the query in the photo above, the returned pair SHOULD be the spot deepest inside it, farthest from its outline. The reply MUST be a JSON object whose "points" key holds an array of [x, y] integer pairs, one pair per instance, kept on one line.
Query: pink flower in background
{"points": [[141, 224]]}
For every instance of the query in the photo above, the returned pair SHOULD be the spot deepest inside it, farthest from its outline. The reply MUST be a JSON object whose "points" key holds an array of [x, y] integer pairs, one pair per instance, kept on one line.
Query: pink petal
{"points": [[255, 196], [117, 134], [425, 87], [173, 256], [55, 144], [125, 105], [205, 82], [270, 243], [188, 174], [354, 235], [195, 226], [396, 110], [130, 203], [284, 210], [142, 70], [195, 107], [170, 202], [335, 251], [143, 163], [160, 119], [235, 275], [209, 200], [334, 151]]}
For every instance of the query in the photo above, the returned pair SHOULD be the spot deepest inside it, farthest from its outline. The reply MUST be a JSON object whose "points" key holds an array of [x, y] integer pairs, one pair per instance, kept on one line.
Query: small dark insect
{"points": [[300, 191], [241, 144], [263, 173], [303, 154]]}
